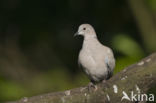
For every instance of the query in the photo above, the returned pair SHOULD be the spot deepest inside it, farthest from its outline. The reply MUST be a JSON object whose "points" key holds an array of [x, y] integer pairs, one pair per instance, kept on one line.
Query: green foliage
{"points": [[11, 90], [152, 4], [130, 50], [123, 62], [56, 79], [127, 46]]}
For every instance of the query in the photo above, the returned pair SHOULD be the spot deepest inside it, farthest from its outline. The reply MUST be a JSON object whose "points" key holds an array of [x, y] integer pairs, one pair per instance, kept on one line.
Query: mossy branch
{"points": [[137, 78]]}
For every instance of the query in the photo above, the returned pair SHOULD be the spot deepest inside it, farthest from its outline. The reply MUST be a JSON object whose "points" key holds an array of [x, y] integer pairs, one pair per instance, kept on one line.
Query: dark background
{"points": [[38, 53]]}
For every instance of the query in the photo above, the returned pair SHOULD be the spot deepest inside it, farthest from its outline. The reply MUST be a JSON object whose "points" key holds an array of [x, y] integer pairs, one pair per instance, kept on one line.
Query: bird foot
{"points": [[91, 85], [104, 81]]}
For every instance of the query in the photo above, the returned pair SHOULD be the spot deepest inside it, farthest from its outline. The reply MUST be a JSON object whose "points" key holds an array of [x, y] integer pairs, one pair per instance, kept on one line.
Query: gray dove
{"points": [[96, 59]]}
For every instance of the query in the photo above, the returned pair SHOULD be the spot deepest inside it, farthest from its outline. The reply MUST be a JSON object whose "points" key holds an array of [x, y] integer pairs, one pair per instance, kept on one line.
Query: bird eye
{"points": [[84, 28]]}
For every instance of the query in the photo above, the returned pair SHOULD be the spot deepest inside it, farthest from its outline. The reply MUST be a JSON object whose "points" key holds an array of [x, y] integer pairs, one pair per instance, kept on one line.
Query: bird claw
{"points": [[91, 85], [104, 81]]}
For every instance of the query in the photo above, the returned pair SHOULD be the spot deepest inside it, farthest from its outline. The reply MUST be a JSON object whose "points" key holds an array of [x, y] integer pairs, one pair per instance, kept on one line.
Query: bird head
{"points": [[86, 30]]}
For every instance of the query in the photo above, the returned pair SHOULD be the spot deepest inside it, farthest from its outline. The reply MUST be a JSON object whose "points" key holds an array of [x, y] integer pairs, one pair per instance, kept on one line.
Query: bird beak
{"points": [[76, 34]]}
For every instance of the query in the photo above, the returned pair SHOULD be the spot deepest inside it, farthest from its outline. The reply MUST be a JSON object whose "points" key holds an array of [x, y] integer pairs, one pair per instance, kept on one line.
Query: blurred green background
{"points": [[38, 53]]}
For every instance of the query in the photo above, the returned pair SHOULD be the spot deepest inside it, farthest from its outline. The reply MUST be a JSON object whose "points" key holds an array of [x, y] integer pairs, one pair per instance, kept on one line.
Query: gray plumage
{"points": [[96, 59]]}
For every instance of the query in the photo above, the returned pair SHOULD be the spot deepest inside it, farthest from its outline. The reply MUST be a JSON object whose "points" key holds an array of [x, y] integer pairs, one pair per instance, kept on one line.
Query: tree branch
{"points": [[139, 77]]}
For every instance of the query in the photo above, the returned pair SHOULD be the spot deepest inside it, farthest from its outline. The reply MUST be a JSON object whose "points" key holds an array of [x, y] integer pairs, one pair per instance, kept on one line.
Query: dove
{"points": [[97, 60]]}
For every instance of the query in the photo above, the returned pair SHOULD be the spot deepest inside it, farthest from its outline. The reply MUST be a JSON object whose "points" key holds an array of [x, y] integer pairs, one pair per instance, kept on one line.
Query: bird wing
{"points": [[110, 63]]}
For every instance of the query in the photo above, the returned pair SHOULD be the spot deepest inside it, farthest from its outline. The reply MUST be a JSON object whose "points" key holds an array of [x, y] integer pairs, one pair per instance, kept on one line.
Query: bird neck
{"points": [[90, 41], [90, 37]]}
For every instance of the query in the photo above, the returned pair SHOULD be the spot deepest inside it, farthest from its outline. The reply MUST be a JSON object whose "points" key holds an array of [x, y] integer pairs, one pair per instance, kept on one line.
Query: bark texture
{"points": [[139, 77]]}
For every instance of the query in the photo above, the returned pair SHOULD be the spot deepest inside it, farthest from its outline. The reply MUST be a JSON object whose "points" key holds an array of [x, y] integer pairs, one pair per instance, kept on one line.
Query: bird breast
{"points": [[92, 60]]}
